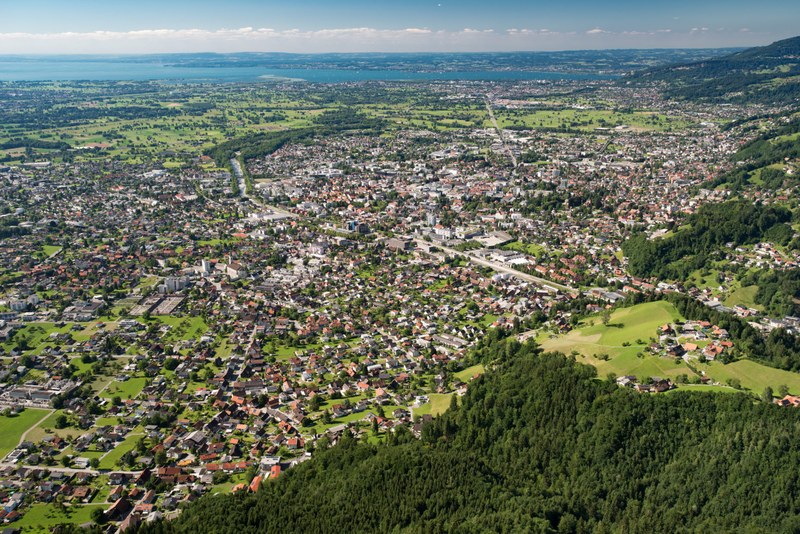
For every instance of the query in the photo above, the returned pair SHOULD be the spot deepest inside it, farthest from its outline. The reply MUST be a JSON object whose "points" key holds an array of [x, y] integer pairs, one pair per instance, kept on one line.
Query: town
{"points": [[174, 324]]}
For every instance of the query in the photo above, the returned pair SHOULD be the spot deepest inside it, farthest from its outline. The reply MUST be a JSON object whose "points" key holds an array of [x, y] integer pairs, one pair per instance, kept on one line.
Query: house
{"points": [[130, 523], [82, 493], [789, 400], [119, 510], [115, 494], [117, 479]]}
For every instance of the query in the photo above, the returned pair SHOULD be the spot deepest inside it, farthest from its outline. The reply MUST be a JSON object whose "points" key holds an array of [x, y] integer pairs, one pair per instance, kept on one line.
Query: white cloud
{"points": [[359, 39]]}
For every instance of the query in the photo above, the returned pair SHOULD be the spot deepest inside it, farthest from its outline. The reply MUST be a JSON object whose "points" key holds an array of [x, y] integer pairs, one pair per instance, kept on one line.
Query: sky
{"points": [[311, 26]]}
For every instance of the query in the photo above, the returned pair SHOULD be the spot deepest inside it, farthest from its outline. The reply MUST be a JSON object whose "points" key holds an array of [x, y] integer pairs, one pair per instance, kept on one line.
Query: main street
{"points": [[500, 133], [546, 284]]}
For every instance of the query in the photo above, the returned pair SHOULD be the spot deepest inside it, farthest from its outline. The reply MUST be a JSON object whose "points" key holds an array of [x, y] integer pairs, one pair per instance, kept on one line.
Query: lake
{"points": [[24, 69]]}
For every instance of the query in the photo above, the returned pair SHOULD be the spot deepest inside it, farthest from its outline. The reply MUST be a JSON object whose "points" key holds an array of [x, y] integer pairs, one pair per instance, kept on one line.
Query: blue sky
{"points": [[123, 26]]}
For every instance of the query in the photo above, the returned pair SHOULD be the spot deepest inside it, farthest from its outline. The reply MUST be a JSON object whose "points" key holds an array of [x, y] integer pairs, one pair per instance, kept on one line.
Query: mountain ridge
{"points": [[766, 74]]}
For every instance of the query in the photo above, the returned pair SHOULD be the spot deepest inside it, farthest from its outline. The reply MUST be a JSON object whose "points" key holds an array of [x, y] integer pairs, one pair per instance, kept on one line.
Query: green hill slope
{"points": [[767, 74]]}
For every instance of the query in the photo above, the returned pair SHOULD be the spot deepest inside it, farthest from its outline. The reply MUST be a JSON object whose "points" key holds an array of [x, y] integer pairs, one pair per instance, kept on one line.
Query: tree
{"points": [[99, 516], [61, 421], [767, 395], [605, 317]]}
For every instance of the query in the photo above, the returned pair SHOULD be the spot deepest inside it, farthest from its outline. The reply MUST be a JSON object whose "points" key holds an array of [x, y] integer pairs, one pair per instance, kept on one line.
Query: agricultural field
{"points": [[467, 374], [602, 346], [588, 120], [625, 325], [743, 296]]}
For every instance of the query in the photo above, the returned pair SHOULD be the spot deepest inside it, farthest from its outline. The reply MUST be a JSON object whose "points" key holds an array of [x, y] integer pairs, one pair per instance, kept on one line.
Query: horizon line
{"points": [[132, 54]]}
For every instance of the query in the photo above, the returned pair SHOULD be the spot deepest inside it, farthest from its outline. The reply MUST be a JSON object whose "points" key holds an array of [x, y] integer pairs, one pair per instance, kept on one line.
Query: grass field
{"points": [[43, 517], [526, 248], [744, 296], [47, 427], [469, 372], [184, 328], [12, 428], [752, 375], [640, 322], [49, 250], [626, 325], [703, 388], [109, 461], [439, 403], [125, 390]]}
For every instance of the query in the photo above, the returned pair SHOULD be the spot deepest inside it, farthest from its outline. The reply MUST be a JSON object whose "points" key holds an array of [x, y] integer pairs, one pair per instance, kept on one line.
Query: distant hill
{"points": [[766, 74]]}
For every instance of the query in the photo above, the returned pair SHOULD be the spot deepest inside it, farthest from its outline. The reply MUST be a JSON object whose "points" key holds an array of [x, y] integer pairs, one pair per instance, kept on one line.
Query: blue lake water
{"points": [[71, 70]]}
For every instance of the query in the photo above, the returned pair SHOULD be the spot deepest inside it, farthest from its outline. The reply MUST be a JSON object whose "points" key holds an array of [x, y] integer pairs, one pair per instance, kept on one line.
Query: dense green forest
{"points": [[34, 143], [332, 122], [256, 144], [766, 74], [738, 222], [539, 444]]}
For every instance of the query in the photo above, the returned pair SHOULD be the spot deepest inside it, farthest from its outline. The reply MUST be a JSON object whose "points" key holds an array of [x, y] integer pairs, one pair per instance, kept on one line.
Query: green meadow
{"points": [[12, 428]]}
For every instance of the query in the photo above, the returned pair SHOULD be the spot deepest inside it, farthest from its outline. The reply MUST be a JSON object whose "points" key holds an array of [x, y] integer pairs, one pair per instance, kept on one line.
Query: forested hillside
{"points": [[738, 222], [540, 444], [766, 74]]}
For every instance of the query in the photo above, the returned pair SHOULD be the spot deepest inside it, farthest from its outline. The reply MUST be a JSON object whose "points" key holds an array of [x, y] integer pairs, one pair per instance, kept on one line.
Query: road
{"points": [[25, 434], [500, 132], [69, 470], [546, 284], [239, 174]]}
